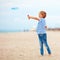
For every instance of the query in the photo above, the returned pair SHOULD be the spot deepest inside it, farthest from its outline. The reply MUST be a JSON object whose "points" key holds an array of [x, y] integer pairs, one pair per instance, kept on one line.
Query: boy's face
{"points": [[40, 15]]}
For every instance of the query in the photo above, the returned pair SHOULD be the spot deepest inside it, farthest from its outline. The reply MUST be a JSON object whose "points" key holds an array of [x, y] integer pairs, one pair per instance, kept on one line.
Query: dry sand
{"points": [[25, 46]]}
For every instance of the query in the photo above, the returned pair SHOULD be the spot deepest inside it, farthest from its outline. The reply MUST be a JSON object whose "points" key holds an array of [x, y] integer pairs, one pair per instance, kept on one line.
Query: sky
{"points": [[13, 13]]}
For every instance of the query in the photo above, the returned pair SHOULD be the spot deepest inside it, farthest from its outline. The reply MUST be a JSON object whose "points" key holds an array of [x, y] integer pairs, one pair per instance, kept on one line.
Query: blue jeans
{"points": [[43, 40]]}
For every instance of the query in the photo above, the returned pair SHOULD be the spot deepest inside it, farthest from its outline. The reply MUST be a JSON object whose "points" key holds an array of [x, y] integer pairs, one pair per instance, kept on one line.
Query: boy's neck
{"points": [[41, 18]]}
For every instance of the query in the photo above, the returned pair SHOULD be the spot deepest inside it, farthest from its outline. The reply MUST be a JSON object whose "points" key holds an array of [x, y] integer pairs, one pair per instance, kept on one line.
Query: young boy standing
{"points": [[41, 31]]}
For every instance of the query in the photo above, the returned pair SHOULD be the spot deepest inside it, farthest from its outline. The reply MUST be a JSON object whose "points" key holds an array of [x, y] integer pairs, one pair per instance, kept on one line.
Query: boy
{"points": [[41, 31]]}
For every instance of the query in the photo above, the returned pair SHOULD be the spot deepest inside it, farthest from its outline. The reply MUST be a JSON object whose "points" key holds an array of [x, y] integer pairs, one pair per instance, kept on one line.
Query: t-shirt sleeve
{"points": [[44, 22]]}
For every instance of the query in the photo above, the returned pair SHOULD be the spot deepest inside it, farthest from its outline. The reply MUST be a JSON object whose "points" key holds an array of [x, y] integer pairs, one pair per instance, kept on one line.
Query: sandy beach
{"points": [[25, 46]]}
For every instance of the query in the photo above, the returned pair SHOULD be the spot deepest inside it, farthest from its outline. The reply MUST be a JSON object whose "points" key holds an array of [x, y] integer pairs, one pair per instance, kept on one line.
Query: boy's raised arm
{"points": [[31, 17]]}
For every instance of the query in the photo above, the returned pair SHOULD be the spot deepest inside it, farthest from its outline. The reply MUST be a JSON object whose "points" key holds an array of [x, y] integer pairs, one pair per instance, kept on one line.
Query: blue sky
{"points": [[13, 13]]}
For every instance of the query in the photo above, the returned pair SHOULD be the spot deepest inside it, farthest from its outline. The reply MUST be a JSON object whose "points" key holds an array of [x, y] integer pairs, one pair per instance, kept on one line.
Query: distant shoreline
{"points": [[28, 31]]}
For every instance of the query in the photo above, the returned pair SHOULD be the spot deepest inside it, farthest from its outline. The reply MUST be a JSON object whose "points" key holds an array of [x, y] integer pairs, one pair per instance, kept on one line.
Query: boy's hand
{"points": [[31, 17], [28, 16], [46, 27]]}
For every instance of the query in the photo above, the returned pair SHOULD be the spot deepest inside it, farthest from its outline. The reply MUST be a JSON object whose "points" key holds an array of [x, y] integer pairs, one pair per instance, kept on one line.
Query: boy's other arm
{"points": [[31, 17], [45, 27]]}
